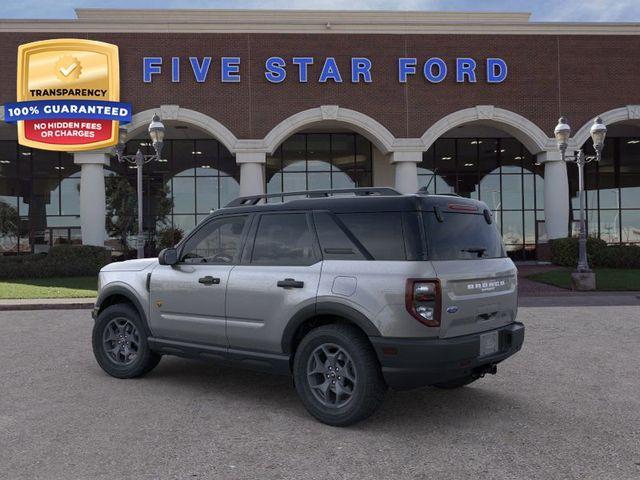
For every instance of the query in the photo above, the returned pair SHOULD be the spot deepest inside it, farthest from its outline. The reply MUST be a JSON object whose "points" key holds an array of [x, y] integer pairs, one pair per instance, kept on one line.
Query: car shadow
{"points": [[425, 407]]}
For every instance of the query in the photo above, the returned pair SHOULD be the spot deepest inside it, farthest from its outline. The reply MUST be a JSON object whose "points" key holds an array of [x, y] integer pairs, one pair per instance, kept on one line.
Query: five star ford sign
{"points": [[68, 95]]}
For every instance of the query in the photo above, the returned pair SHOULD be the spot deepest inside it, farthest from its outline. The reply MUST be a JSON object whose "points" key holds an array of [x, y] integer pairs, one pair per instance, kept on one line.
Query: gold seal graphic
{"points": [[68, 68]]}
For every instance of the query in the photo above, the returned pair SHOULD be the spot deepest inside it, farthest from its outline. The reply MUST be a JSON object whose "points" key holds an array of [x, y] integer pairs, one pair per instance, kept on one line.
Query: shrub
{"points": [[169, 237], [61, 261], [564, 252]]}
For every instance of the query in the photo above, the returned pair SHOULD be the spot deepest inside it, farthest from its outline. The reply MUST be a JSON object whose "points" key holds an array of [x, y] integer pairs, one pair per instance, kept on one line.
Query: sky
{"points": [[542, 10]]}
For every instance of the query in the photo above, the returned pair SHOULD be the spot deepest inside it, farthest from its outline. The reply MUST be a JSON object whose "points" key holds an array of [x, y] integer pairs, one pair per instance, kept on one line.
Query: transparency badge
{"points": [[68, 95]]}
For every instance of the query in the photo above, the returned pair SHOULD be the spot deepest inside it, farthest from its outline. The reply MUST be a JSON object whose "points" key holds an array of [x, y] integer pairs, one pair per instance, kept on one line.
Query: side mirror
{"points": [[168, 256]]}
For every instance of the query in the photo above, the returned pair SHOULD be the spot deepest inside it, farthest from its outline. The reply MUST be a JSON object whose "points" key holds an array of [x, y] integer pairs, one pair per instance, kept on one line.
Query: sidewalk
{"points": [[46, 304]]}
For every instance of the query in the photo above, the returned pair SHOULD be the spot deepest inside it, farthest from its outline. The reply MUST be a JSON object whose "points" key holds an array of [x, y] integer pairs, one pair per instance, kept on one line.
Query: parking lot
{"points": [[567, 406]]}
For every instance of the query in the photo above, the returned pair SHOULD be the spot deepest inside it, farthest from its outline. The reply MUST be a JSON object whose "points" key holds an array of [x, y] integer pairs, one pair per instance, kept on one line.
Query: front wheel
{"points": [[337, 375], [120, 343]]}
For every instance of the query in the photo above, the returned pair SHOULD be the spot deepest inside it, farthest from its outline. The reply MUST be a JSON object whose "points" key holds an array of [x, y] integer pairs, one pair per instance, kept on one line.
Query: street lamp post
{"points": [[598, 132], [156, 133]]}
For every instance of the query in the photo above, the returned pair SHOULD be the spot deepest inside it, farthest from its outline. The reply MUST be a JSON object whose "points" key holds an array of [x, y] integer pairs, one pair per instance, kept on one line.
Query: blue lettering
{"points": [[230, 70], [175, 69], [303, 64], [275, 69], [496, 70], [200, 71], [406, 66], [465, 67], [360, 67], [330, 71], [151, 66], [428, 70]]}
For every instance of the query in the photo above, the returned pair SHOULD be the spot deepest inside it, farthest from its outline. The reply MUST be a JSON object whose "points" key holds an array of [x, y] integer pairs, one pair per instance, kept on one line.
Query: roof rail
{"points": [[359, 192]]}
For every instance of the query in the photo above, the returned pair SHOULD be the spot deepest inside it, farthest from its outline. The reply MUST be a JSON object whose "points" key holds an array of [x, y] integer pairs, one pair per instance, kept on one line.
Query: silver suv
{"points": [[349, 291]]}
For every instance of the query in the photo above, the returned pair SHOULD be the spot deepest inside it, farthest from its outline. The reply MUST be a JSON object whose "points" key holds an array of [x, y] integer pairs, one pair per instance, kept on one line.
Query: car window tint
{"points": [[219, 242], [283, 239], [334, 242], [380, 233], [462, 236]]}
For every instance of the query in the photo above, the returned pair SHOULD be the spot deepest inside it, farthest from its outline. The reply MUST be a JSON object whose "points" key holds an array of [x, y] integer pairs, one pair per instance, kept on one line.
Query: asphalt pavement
{"points": [[567, 406]]}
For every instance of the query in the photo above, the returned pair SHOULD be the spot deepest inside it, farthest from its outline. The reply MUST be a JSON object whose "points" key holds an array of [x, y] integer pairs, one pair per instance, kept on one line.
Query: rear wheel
{"points": [[456, 383], [120, 343], [337, 375]]}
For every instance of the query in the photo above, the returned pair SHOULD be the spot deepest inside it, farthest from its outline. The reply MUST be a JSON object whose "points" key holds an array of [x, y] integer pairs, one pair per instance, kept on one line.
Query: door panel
{"points": [[258, 310], [184, 309]]}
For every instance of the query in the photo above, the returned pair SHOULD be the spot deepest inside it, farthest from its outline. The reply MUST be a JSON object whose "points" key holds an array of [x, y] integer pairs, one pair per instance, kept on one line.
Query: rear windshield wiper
{"points": [[479, 250]]}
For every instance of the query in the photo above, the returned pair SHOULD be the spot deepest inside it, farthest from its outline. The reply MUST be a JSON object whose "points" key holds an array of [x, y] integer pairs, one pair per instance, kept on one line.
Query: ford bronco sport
{"points": [[348, 294]]}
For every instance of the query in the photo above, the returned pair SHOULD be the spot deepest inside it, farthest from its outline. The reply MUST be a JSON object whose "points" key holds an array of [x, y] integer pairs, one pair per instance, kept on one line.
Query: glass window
{"points": [[334, 241], [380, 233], [446, 241], [218, 242], [318, 152], [283, 239], [630, 190], [610, 226], [631, 226]]}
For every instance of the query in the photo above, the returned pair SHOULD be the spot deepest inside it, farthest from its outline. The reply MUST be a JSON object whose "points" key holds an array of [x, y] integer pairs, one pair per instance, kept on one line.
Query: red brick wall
{"points": [[577, 76]]}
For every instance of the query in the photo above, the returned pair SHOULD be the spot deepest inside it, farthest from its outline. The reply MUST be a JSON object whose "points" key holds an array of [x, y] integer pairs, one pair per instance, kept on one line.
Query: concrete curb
{"points": [[47, 304]]}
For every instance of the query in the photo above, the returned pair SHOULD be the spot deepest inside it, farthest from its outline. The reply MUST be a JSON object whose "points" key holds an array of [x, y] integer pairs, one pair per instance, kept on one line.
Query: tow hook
{"points": [[480, 372]]}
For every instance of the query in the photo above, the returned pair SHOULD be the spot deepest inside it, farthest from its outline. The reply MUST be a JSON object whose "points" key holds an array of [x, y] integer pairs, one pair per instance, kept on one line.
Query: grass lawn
{"points": [[607, 279], [70, 287]]}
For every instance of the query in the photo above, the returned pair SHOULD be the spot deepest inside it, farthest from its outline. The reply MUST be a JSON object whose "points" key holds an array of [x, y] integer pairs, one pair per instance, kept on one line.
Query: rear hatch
{"points": [[478, 282]]}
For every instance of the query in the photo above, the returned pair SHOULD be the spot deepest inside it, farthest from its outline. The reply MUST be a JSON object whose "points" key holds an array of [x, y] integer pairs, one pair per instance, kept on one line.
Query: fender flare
{"points": [[327, 308], [111, 290]]}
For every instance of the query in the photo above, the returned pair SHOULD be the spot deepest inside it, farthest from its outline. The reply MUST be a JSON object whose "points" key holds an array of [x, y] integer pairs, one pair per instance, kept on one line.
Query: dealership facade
{"points": [[276, 101]]}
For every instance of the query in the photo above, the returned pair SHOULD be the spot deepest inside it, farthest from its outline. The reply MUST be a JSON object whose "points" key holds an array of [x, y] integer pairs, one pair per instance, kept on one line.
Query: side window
{"points": [[283, 239], [216, 243], [380, 233], [334, 242]]}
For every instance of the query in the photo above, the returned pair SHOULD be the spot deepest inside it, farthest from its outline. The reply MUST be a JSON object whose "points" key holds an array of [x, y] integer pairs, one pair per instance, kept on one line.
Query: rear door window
{"points": [[284, 239], [462, 236], [380, 233]]}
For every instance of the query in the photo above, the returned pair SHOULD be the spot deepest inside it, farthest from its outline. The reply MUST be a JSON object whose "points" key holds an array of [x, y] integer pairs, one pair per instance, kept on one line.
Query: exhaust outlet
{"points": [[490, 369]]}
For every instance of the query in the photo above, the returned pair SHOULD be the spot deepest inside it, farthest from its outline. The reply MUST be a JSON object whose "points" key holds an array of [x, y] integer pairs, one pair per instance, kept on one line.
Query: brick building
{"points": [[277, 101]]}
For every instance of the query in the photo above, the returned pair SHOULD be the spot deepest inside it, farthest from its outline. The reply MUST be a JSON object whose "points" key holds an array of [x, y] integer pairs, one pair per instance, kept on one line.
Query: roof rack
{"points": [[359, 192]]}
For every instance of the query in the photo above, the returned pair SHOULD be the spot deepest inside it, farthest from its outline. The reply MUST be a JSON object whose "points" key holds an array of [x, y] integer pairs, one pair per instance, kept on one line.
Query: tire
{"points": [[455, 383], [360, 384], [130, 356]]}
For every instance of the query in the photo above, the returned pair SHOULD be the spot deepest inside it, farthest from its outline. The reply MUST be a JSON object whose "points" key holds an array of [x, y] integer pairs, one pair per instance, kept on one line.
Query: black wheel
{"points": [[455, 383], [337, 375], [120, 343]]}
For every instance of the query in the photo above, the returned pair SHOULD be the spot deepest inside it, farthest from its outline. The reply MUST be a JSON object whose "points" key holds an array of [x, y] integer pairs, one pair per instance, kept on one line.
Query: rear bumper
{"points": [[412, 363]]}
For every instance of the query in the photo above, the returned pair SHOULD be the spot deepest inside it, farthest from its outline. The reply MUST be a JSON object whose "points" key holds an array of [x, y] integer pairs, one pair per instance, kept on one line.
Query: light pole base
{"points": [[583, 281]]}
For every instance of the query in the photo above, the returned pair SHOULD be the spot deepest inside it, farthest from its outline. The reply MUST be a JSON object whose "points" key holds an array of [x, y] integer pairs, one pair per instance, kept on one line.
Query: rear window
{"points": [[461, 236]]}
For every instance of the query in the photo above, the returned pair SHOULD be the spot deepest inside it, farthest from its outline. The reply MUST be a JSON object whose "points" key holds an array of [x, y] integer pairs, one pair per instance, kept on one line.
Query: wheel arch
{"points": [[323, 313], [118, 294]]}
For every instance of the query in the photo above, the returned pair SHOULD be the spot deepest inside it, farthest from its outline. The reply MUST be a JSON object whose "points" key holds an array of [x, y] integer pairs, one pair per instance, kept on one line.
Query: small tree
{"points": [[122, 208], [9, 221]]}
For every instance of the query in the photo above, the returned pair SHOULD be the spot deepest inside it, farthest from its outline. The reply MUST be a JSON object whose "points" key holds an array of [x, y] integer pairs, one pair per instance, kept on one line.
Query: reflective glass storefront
{"points": [[498, 171], [612, 189], [313, 161], [40, 192]]}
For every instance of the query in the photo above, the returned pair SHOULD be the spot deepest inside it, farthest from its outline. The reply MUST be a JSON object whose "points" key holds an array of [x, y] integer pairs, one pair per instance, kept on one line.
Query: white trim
{"points": [[310, 21], [140, 121], [358, 122], [629, 112], [531, 136]]}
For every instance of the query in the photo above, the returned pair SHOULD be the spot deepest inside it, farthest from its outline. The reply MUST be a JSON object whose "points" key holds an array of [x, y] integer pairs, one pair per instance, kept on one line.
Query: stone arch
{"points": [[527, 132], [141, 120], [622, 114], [382, 138]]}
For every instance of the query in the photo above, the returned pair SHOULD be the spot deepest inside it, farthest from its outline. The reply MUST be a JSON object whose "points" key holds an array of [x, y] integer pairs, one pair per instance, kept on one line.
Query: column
{"points": [[556, 194], [93, 208], [406, 171], [251, 172]]}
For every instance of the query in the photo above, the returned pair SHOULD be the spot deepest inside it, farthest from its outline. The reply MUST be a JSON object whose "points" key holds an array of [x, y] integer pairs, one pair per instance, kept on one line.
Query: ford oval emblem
{"points": [[452, 309]]}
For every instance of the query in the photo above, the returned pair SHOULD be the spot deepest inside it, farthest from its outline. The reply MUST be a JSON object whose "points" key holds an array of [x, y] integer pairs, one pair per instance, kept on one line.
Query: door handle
{"points": [[209, 280], [290, 283]]}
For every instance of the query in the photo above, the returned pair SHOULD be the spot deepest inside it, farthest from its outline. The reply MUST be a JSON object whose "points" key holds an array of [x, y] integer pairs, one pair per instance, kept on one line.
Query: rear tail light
{"points": [[422, 298]]}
